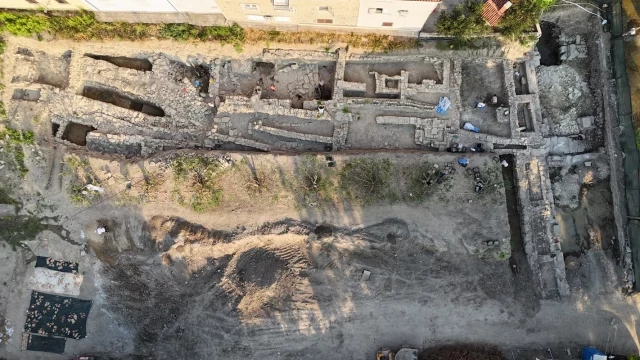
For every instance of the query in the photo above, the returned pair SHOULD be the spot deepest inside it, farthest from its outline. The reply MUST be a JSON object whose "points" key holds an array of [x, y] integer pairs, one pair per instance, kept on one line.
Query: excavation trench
{"points": [[518, 258], [115, 98], [125, 62]]}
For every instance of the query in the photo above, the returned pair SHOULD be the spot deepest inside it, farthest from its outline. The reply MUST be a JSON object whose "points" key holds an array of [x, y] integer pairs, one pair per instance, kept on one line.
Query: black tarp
{"points": [[33, 342], [55, 315], [57, 265]]}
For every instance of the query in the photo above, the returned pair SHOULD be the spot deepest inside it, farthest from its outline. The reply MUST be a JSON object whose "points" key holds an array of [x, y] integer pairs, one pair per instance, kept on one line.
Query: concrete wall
{"points": [[197, 12], [197, 6], [155, 6], [132, 5], [44, 4], [161, 17], [401, 14], [261, 13]]}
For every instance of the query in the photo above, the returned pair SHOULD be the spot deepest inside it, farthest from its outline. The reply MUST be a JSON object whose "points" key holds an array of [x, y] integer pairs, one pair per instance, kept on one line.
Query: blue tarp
{"points": [[443, 105], [589, 352]]}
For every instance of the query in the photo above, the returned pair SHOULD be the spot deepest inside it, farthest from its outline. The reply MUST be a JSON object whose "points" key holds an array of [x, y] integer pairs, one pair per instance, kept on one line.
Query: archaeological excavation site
{"points": [[186, 201]]}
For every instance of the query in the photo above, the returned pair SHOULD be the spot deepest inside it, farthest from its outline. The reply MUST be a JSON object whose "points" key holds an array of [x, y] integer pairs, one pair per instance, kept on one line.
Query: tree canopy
{"points": [[463, 21]]}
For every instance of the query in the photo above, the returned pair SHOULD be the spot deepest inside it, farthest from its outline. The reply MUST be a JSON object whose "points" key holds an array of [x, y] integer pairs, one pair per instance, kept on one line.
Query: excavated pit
{"points": [[76, 133], [548, 45], [124, 61], [115, 98], [26, 95]]}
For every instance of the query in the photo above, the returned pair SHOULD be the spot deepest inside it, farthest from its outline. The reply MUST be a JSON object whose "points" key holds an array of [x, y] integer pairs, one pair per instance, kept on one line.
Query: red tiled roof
{"points": [[493, 10]]}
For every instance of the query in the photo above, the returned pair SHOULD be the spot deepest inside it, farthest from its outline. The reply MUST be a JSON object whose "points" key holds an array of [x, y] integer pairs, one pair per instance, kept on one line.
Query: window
{"points": [[325, 21], [62, 1], [249, 6], [403, 12], [255, 18], [387, 24], [31, 1], [324, 8], [282, 19], [376, 10], [281, 5]]}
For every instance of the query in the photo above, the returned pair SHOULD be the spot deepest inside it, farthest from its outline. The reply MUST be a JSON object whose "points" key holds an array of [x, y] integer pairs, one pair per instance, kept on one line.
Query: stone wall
{"points": [[293, 134], [241, 104], [539, 229]]}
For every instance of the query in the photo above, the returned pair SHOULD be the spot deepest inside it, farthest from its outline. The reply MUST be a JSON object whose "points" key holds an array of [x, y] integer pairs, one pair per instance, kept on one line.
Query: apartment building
{"points": [[405, 15], [283, 13]]}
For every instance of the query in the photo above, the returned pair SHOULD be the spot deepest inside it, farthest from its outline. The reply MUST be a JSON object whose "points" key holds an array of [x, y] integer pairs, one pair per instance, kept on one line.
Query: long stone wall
{"points": [[294, 135]]}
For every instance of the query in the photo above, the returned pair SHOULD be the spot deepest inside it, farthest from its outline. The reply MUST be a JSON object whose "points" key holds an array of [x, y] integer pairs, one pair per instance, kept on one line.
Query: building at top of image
{"points": [[398, 17]]}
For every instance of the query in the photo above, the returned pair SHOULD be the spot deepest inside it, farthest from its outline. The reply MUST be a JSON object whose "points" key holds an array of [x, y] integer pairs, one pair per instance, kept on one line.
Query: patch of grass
{"points": [[75, 162], [493, 181], [14, 140], [5, 198], [181, 32], [84, 26], [238, 47], [16, 229], [345, 110], [423, 181], [366, 180], [24, 24], [315, 182], [80, 196], [199, 175]]}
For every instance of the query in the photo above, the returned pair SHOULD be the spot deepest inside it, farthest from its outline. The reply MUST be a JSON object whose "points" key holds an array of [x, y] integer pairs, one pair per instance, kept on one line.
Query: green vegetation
{"points": [[5, 198], [493, 181], [522, 18], [84, 26], [463, 22], [346, 110], [199, 175], [16, 229], [366, 180], [75, 163], [80, 196], [423, 181], [14, 139], [315, 180]]}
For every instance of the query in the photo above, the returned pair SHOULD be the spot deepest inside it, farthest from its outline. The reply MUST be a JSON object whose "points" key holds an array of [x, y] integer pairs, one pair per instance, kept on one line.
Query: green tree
{"points": [[463, 21], [521, 18]]}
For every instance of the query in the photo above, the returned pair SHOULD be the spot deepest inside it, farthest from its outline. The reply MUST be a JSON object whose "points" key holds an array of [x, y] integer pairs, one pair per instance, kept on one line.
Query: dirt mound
{"points": [[259, 266]]}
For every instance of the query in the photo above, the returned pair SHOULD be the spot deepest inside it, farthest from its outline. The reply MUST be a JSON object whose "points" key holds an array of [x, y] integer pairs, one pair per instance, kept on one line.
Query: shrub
{"points": [[200, 174], [179, 31], [23, 24], [366, 180], [463, 21], [314, 180], [522, 18]]}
